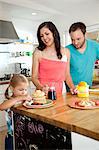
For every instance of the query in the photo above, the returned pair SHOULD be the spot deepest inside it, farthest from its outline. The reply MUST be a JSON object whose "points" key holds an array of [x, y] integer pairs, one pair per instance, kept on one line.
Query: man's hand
{"points": [[74, 91]]}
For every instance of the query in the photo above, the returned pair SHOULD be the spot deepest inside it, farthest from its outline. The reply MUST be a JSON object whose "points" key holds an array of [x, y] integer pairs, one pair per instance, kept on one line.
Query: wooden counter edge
{"points": [[43, 119], [59, 124]]}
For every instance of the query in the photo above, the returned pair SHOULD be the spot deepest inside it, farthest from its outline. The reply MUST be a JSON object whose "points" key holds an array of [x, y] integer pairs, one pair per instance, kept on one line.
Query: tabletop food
{"points": [[86, 103], [39, 97], [83, 89]]}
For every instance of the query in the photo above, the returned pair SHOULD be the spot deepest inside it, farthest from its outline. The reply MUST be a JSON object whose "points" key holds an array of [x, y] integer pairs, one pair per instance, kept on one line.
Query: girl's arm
{"points": [[13, 100], [7, 104]]}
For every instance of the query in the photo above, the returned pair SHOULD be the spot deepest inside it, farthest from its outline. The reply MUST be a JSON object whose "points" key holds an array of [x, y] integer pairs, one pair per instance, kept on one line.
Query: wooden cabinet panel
{"points": [[31, 134]]}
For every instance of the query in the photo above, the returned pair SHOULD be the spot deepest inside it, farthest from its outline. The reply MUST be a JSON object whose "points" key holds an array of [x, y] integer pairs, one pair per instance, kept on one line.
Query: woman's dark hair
{"points": [[15, 80], [56, 36], [76, 26]]}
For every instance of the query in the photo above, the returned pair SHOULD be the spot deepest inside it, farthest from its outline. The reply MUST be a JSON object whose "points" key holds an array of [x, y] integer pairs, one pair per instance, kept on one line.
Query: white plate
{"points": [[74, 104], [48, 104]]}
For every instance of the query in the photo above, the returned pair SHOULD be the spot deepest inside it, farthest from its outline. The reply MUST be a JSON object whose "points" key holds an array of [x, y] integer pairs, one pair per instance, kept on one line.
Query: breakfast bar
{"points": [[51, 127]]}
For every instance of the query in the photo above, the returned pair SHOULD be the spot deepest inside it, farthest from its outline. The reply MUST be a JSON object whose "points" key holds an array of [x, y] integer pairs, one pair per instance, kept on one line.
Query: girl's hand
{"points": [[45, 89], [24, 97]]}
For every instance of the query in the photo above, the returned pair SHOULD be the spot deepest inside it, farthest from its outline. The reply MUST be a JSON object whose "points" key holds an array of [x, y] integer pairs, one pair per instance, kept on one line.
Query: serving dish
{"points": [[75, 104], [34, 105]]}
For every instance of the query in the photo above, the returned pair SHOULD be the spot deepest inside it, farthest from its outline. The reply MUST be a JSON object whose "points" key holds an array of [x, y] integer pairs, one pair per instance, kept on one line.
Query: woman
{"points": [[50, 66]]}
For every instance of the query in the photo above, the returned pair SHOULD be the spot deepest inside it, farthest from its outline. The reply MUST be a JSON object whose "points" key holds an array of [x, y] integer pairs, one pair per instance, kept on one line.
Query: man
{"points": [[83, 54]]}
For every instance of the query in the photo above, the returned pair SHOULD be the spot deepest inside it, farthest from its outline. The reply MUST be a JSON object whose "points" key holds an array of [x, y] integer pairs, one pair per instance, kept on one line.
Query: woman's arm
{"points": [[35, 65]]}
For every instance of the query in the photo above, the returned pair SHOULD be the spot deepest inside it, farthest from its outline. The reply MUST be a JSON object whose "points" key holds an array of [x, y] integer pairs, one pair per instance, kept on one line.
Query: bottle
{"points": [[52, 93]]}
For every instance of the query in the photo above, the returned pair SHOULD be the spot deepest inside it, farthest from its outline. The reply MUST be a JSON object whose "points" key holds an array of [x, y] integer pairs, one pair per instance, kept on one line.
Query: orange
{"points": [[82, 83]]}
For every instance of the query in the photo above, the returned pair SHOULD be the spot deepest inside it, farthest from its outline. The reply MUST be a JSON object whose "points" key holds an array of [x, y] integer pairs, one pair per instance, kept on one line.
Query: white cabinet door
{"points": [[80, 142]]}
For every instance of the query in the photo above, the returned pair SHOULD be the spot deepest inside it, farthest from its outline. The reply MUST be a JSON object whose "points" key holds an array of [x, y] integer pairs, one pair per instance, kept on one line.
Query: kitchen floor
{"points": [[2, 139]]}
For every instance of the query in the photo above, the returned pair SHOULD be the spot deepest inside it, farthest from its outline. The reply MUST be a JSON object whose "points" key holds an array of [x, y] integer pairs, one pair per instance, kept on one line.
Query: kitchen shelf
{"points": [[21, 59], [4, 52]]}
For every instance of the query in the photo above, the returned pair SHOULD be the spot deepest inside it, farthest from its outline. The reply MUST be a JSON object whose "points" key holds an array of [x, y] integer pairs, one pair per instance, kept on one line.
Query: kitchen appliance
{"points": [[22, 68], [26, 72], [8, 33], [5, 77]]}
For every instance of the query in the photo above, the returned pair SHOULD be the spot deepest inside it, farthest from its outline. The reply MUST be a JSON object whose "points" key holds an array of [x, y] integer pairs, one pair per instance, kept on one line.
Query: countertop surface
{"points": [[85, 122]]}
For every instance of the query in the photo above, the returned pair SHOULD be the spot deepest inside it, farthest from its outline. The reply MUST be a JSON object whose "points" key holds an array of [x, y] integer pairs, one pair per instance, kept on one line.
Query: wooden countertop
{"points": [[85, 122]]}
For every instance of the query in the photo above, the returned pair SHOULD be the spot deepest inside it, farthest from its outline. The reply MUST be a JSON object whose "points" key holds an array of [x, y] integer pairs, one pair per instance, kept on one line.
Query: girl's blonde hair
{"points": [[15, 80]]}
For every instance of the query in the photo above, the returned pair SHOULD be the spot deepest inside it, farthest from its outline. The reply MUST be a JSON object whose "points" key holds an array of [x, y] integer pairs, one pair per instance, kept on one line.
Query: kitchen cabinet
{"points": [[21, 57], [2, 113], [81, 142], [31, 134]]}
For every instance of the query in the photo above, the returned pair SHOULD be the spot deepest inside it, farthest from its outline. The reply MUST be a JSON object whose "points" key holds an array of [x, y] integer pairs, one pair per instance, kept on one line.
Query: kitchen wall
{"points": [[4, 60], [10, 54]]}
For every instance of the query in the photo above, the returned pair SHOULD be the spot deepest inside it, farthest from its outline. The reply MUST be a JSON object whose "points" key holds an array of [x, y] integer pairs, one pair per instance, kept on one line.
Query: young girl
{"points": [[18, 86]]}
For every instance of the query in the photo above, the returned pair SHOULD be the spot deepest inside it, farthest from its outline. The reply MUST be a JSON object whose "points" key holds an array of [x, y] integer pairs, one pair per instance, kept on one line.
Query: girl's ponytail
{"points": [[7, 93]]}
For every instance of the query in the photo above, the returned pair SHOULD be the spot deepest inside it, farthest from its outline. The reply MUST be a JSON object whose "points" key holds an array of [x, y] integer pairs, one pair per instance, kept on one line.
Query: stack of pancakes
{"points": [[39, 97]]}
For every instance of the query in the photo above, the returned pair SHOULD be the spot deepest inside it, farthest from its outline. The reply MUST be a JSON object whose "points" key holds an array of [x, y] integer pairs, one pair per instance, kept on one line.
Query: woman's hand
{"points": [[45, 89]]}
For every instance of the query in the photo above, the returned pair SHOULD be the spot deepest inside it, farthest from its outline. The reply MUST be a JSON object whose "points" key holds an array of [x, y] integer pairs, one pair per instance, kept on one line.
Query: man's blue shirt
{"points": [[82, 64]]}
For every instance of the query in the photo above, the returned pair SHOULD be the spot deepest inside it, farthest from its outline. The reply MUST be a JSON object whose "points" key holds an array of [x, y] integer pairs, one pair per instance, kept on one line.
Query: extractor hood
{"points": [[7, 32]]}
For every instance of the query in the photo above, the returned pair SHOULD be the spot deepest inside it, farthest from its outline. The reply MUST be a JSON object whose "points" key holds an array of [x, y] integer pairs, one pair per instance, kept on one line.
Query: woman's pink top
{"points": [[52, 72]]}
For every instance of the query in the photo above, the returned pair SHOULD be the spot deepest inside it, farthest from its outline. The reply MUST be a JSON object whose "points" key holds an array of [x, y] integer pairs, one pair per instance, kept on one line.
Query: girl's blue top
{"points": [[9, 121]]}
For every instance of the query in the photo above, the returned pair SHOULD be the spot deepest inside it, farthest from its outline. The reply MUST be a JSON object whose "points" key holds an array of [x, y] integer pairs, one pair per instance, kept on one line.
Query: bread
{"points": [[38, 93]]}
